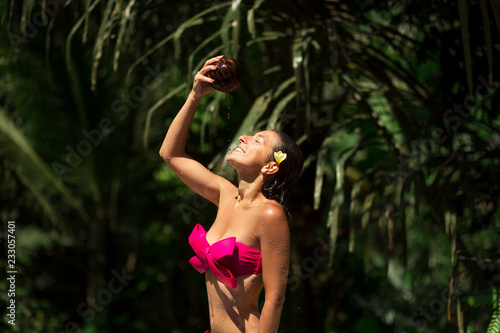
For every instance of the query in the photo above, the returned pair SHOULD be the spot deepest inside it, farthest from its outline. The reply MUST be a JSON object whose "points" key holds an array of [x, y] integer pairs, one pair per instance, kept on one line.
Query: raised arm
{"points": [[274, 236], [173, 149]]}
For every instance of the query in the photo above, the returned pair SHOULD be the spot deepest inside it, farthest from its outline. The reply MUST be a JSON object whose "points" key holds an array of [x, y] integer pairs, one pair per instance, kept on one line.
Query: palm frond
{"points": [[494, 326], [463, 9], [35, 174], [193, 21], [127, 16]]}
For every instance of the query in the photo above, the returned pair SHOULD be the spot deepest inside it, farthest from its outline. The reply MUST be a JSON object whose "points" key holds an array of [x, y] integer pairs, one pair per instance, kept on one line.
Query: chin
{"points": [[232, 161], [229, 159]]}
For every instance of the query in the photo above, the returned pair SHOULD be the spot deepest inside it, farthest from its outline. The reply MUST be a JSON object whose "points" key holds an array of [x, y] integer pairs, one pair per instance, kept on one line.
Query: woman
{"points": [[248, 246]]}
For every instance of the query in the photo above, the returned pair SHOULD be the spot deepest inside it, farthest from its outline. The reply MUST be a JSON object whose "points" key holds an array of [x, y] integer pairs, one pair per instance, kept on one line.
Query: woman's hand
{"points": [[173, 150], [202, 83]]}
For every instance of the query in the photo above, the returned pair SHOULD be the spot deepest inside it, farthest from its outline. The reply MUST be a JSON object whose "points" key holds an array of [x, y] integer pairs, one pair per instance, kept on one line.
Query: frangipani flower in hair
{"points": [[279, 156]]}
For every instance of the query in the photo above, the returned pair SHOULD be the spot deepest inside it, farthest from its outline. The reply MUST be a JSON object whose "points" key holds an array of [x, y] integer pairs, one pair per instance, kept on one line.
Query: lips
{"points": [[239, 150]]}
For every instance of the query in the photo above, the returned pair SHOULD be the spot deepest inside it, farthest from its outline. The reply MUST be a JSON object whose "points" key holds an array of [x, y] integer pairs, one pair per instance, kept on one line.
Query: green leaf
{"points": [[494, 326], [103, 35], [34, 173], [463, 9], [251, 17], [273, 123], [450, 219], [75, 82], [193, 21], [127, 15], [151, 111]]}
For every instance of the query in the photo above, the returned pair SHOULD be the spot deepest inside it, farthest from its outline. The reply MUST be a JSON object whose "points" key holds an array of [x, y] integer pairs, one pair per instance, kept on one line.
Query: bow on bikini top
{"points": [[226, 258]]}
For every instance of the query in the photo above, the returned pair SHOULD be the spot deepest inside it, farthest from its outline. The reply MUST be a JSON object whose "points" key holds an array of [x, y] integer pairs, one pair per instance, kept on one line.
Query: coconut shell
{"points": [[227, 76]]}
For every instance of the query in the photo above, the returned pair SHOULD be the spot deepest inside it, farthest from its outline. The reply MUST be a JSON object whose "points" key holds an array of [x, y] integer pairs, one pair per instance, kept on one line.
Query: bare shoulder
{"points": [[273, 212], [273, 219]]}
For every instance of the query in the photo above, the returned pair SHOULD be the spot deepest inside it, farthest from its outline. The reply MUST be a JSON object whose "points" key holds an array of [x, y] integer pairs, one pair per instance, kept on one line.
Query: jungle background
{"points": [[395, 104]]}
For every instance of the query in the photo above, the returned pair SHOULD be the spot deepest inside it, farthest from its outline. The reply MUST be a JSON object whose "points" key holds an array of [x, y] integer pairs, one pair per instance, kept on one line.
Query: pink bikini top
{"points": [[226, 258]]}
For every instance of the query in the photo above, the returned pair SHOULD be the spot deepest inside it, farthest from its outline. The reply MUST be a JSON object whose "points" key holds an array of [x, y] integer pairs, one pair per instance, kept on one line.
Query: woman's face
{"points": [[253, 151]]}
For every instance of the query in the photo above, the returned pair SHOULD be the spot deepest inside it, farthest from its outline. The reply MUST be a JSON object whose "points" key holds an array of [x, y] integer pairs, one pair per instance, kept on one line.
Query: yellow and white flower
{"points": [[279, 156]]}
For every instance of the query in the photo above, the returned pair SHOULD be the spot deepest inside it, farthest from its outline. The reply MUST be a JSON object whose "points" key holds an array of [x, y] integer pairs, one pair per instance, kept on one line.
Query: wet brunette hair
{"points": [[289, 171]]}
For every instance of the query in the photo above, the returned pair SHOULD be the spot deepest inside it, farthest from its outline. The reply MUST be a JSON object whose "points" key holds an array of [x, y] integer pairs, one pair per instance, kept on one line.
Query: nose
{"points": [[242, 139]]}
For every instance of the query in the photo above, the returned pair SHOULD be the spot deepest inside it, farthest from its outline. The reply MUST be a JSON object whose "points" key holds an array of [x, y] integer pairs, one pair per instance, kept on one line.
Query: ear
{"points": [[270, 168]]}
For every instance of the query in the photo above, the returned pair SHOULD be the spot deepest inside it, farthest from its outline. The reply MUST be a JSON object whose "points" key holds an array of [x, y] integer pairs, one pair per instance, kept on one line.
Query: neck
{"points": [[250, 190]]}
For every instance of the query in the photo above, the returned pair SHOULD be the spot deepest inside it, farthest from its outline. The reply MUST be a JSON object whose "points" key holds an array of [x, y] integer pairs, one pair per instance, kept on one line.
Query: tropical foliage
{"points": [[394, 104]]}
